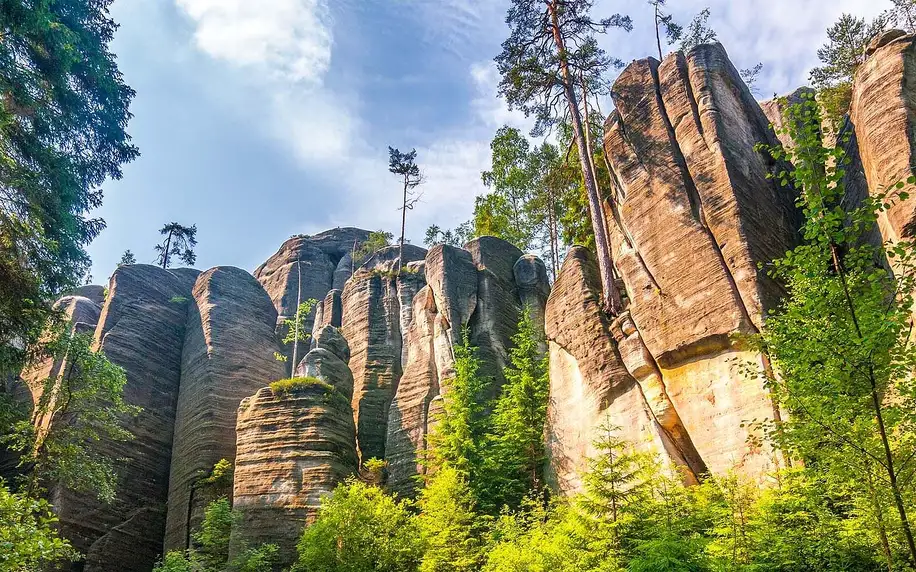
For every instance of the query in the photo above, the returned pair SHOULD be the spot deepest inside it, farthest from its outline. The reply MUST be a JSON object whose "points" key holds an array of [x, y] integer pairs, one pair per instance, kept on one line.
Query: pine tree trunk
{"points": [[165, 253], [611, 297], [658, 37], [403, 226]]}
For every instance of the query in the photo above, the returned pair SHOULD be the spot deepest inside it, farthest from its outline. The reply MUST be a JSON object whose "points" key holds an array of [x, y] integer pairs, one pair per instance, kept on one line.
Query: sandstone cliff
{"points": [[228, 354]]}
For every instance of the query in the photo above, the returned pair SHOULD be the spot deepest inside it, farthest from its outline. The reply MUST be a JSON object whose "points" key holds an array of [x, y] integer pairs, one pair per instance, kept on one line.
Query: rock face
{"points": [[228, 355], [371, 323], [321, 266], [475, 290], [294, 446], [693, 215], [141, 328], [883, 112]]}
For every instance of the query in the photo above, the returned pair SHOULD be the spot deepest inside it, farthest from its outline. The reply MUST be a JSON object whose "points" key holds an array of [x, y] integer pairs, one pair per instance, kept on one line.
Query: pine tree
{"points": [[550, 64], [698, 32], [517, 455], [405, 166], [664, 21], [451, 531], [179, 241], [127, 258]]}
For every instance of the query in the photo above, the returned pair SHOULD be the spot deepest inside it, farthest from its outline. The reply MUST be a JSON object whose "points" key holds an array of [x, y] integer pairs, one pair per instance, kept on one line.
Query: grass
{"points": [[293, 383]]}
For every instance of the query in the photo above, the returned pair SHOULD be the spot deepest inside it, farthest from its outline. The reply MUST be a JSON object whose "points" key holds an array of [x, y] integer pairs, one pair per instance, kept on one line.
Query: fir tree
{"points": [[179, 241]]}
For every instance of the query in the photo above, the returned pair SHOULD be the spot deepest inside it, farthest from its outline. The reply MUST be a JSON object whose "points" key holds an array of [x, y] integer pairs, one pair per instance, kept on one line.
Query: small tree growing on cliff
{"points": [[405, 166], [127, 258], [179, 241], [664, 21], [548, 62], [698, 31]]}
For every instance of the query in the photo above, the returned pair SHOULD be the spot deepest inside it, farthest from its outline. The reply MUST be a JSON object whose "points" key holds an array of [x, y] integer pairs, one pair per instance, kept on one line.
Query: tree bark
{"points": [[611, 297], [403, 225], [165, 253], [658, 37]]}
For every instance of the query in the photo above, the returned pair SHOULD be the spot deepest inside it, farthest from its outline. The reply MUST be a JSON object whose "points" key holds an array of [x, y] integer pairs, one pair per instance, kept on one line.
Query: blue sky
{"points": [[259, 119]]}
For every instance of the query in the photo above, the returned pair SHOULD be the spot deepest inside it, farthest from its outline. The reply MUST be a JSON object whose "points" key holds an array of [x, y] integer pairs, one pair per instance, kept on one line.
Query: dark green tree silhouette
{"points": [[127, 258], [63, 116], [179, 241]]}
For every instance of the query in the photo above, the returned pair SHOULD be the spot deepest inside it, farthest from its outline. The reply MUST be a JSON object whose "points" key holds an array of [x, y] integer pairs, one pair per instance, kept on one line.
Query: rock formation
{"points": [[324, 262], [141, 329], [228, 354], [883, 112], [296, 442], [371, 323], [692, 217]]}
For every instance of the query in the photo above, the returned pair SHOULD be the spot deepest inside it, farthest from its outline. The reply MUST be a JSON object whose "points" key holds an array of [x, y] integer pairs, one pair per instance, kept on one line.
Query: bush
{"points": [[293, 383]]}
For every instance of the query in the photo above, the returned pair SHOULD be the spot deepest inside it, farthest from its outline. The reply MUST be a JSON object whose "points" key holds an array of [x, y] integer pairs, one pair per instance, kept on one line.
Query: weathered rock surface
{"points": [[693, 216], [589, 384], [883, 112], [294, 446], [408, 416], [371, 324], [320, 268], [775, 111], [228, 355], [141, 328]]}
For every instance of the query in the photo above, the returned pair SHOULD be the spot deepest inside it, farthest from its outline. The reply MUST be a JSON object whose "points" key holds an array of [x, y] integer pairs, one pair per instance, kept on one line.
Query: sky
{"points": [[260, 119]]}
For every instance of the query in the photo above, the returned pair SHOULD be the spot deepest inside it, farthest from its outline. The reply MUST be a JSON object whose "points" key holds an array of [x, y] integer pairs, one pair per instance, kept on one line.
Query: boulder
{"points": [[228, 355]]}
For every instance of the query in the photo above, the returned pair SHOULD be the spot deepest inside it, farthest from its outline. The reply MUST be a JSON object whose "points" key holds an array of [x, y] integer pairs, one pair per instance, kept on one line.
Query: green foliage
{"points": [[178, 561], [841, 56], [296, 330], [461, 427], [664, 22], [458, 237], [840, 341], [902, 15], [79, 408], [451, 531], [261, 559], [291, 384], [62, 134], [178, 299], [28, 535], [360, 529], [373, 471], [377, 240], [179, 241], [211, 539], [127, 258], [515, 456], [698, 32]]}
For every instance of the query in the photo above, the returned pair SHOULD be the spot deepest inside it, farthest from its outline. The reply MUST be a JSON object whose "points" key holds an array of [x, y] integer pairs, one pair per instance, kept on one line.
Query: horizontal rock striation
{"points": [[141, 328], [308, 267], [228, 354], [692, 217], [295, 444]]}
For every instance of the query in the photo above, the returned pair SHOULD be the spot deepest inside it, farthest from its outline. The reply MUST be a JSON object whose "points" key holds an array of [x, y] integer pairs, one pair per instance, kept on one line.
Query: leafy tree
{"points": [[212, 538], [28, 534], [179, 241], [665, 21], [360, 529], [377, 240], [841, 56], [516, 453], [841, 339], [127, 258], [451, 532], [80, 405], [503, 212], [459, 236], [62, 134], [549, 65], [902, 15], [698, 31], [405, 166], [296, 330]]}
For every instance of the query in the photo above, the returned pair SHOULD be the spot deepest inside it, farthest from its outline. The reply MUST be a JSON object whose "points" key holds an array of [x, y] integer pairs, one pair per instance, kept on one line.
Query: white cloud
{"points": [[290, 40], [487, 106]]}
